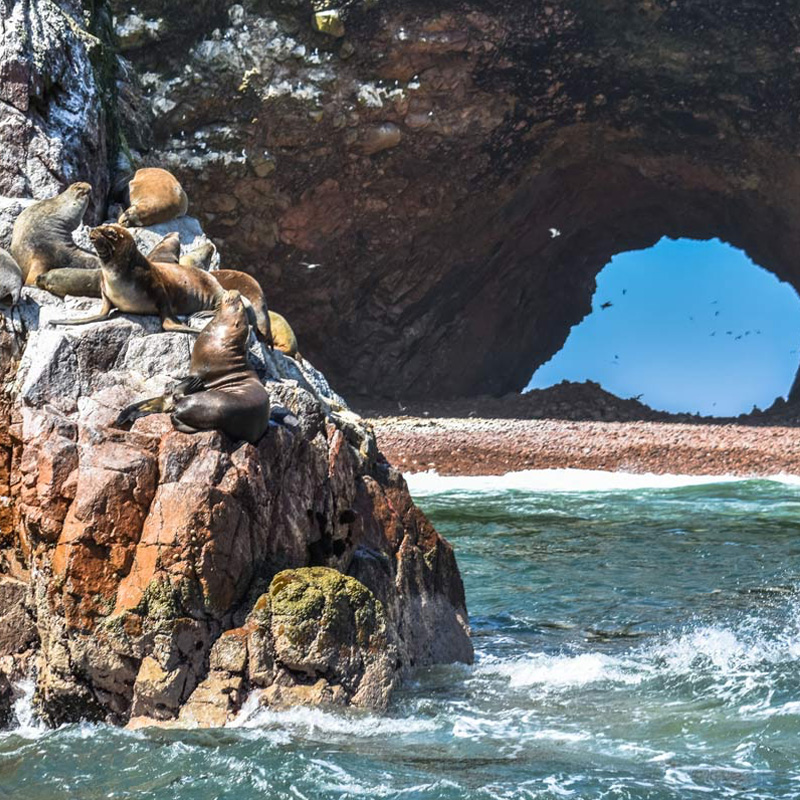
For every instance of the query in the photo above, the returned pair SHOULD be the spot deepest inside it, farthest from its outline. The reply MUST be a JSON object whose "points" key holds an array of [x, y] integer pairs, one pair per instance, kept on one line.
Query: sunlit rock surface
{"points": [[128, 555]]}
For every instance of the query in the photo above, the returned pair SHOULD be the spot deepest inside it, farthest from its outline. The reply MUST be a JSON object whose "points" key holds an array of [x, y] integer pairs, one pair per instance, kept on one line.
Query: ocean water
{"points": [[635, 637]]}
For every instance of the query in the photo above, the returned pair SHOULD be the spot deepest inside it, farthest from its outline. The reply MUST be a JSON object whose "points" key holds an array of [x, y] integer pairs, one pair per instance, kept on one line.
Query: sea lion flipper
{"points": [[153, 405], [174, 326], [168, 250], [105, 312], [207, 314], [191, 385]]}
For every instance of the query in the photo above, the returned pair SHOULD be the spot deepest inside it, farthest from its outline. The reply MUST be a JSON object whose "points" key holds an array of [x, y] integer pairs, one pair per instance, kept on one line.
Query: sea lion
{"points": [[201, 257], [135, 285], [10, 279], [283, 337], [222, 392], [251, 289], [42, 236], [156, 196], [168, 250], [77, 282]]}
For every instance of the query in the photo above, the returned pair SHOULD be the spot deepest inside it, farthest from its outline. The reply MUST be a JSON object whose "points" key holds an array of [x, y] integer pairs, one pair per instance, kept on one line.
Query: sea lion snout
{"points": [[107, 239], [81, 189]]}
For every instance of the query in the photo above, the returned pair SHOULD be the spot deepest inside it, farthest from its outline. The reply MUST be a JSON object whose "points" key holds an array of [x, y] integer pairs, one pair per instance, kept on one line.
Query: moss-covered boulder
{"points": [[326, 626]]}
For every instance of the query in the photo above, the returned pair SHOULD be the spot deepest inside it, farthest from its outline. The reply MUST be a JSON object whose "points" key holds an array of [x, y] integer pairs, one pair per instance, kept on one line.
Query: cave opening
{"points": [[686, 325]]}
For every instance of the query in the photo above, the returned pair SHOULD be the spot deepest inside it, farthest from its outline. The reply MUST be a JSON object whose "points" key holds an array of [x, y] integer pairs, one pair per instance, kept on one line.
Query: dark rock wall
{"points": [[421, 159]]}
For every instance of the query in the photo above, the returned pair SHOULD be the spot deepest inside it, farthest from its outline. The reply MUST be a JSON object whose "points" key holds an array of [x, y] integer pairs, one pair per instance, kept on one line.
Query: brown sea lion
{"points": [[251, 289], [201, 257], [168, 250], [156, 196], [77, 282], [10, 279], [42, 237], [221, 392], [86, 282], [135, 285], [283, 337]]}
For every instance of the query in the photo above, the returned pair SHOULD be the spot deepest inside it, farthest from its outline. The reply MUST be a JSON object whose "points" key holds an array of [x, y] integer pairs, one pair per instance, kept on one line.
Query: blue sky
{"points": [[693, 326]]}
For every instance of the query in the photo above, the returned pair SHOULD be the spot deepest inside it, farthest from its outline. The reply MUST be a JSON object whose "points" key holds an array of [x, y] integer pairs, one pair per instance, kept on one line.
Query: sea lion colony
{"points": [[221, 391]]}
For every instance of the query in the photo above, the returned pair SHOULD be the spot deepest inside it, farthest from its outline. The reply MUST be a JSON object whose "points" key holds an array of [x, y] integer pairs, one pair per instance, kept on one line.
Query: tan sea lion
{"points": [[10, 279], [42, 237], [77, 282], [251, 289], [222, 392], [156, 196], [201, 257], [86, 282], [283, 337], [168, 250], [135, 285]]}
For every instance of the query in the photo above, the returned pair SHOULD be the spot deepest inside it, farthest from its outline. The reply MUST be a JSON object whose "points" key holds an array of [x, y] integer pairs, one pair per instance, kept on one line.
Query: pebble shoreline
{"points": [[483, 446]]}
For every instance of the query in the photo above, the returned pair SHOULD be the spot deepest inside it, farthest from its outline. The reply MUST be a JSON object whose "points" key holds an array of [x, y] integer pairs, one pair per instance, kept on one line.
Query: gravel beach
{"points": [[483, 446]]}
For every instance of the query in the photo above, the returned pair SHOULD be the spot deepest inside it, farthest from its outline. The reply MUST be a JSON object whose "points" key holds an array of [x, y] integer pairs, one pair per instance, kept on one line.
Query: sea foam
{"points": [[570, 480]]}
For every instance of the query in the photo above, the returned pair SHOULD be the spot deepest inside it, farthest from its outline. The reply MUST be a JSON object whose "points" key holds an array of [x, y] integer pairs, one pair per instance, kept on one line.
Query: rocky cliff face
{"points": [[56, 103], [139, 568], [391, 170], [419, 153]]}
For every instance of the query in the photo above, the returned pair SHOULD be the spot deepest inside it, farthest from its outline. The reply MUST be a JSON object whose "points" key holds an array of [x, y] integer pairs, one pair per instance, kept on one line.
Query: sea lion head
{"points": [[113, 243], [129, 218], [77, 196], [231, 311]]}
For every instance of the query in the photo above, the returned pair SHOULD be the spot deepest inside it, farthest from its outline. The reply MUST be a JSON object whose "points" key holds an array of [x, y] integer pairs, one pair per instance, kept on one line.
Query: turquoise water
{"points": [[631, 643]]}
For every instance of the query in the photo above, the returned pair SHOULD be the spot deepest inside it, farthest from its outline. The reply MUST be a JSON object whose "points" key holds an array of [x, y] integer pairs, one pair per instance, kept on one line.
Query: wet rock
{"points": [[6, 703], [17, 627]]}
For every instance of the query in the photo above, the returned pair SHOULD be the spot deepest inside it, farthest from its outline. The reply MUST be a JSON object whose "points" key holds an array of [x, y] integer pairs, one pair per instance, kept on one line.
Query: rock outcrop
{"points": [[418, 153], [154, 561]]}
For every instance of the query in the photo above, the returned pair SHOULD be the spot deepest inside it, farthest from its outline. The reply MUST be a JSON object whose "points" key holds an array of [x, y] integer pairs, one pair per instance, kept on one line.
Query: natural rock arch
{"points": [[422, 158]]}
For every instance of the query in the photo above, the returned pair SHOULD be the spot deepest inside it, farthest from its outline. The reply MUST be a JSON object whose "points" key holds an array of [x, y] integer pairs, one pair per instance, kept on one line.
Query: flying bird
{"points": [[554, 232], [605, 305], [309, 266], [624, 291]]}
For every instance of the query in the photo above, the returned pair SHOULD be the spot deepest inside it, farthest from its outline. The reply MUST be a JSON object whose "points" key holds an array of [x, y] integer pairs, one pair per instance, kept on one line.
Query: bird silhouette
{"points": [[716, 313], [605, 305], [624, 291]]}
